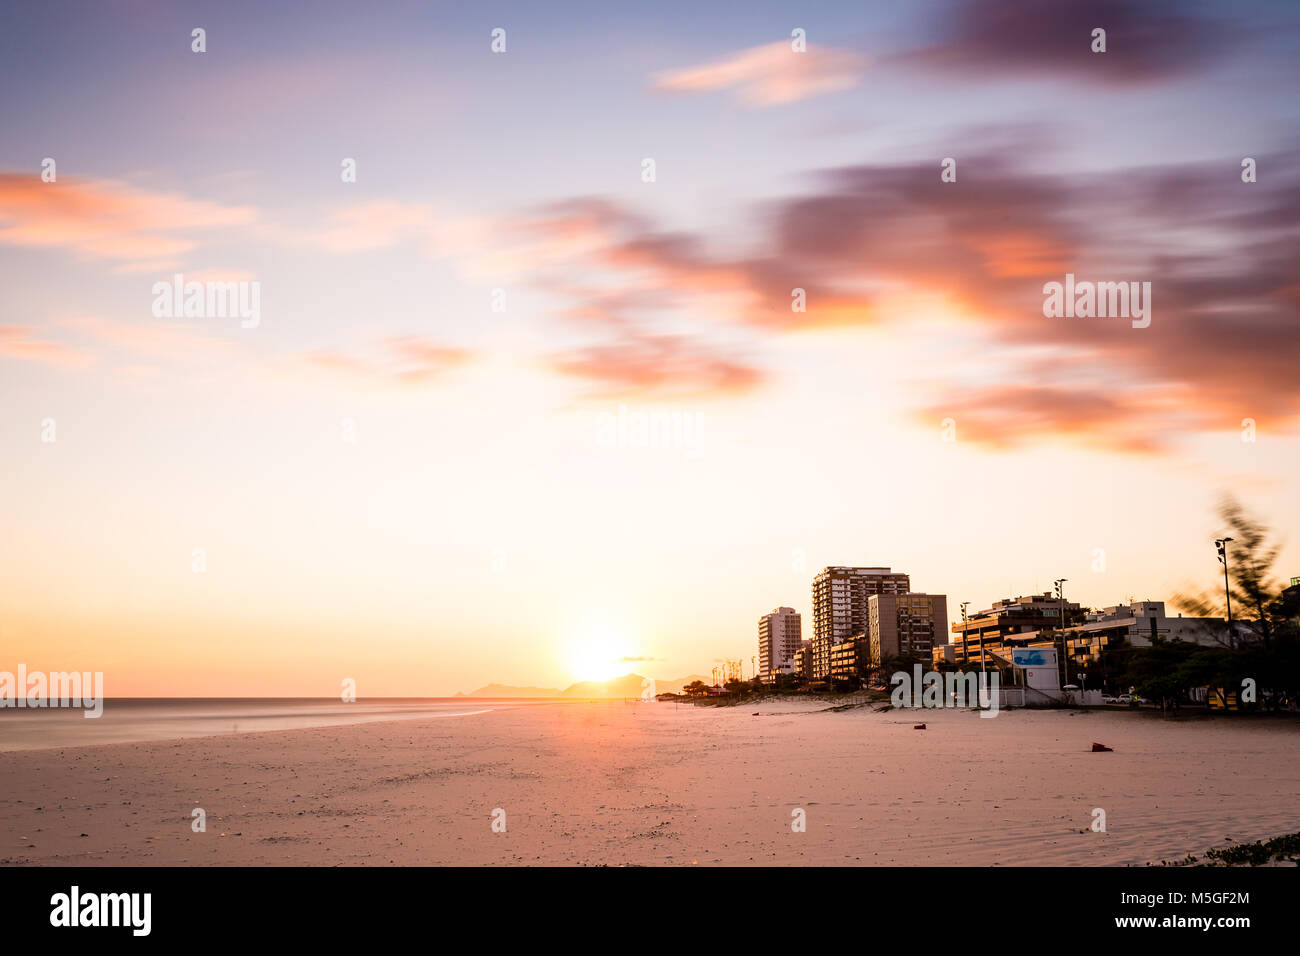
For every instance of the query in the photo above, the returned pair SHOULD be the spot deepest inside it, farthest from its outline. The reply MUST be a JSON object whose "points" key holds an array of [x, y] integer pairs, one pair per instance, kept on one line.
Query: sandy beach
{"points": [[660, 784]]}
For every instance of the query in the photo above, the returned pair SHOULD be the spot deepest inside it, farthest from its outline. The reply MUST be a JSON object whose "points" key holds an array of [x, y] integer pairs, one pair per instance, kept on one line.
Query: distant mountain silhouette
{"points": [[629, 685]]}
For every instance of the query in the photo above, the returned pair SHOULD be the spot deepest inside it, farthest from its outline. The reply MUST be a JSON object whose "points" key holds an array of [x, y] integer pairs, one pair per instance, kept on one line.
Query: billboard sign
{"points": [[1033, 656]]}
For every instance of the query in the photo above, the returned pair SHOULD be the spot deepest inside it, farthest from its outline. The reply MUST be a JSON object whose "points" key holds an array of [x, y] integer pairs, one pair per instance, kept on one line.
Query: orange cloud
{"points": [[17, 342], [670, 366], [108, 219], [872, 241], [1118, 419]]}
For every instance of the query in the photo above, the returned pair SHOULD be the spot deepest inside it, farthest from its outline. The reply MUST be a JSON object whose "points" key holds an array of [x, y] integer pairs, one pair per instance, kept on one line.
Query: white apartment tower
{"points": [[780, 635]]}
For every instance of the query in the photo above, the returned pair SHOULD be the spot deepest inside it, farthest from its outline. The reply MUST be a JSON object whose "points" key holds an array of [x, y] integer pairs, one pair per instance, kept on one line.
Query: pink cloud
{"points": [[401, 361], [372, 225], [772, 74]]}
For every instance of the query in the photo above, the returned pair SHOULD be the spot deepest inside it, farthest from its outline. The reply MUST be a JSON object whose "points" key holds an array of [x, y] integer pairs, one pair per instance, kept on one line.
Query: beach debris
{"points": [[918, 726], [1102, 748]]}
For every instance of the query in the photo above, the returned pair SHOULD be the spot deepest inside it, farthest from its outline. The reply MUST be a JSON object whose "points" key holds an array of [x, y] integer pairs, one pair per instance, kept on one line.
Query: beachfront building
{"points": [[943, 654], [849, 659], [1139, 623], [779, 638], [1290, 601], [905, 625], [803, 661], [993, 628], [839, 601]]}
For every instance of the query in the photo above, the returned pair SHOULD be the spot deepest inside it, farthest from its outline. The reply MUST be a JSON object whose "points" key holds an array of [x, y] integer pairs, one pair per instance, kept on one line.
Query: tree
{"points": [[1271, 657], [1114, 660], [1253, 588], [786, 682], [1160, 671], [696, 688]]}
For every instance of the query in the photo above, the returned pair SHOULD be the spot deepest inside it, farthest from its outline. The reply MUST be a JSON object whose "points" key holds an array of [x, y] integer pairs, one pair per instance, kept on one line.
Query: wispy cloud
{"points": [[170, 343], [162, 351], [659, 366], [378, 224], [772, 74], [399, 361], [24, 343]]}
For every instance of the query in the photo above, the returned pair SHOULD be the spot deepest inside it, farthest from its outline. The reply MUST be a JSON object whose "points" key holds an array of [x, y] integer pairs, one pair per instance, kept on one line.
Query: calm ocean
{"points": [[157, 718]]}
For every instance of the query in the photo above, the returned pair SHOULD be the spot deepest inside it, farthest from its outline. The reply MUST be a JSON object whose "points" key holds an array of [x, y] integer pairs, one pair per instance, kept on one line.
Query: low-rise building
{"points": [[1141, 623], [1291, 601], [803, 661], [993, 629], [849, 659], [1138, 624]]}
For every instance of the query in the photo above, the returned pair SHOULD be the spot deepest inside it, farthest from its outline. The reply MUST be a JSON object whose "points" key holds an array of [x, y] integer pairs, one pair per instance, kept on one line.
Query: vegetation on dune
{"points": [[1283, 849]]}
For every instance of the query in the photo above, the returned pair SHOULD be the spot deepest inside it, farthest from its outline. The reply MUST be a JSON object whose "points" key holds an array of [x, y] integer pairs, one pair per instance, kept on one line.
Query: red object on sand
{"points": [[1102, 748], [918, 726]]}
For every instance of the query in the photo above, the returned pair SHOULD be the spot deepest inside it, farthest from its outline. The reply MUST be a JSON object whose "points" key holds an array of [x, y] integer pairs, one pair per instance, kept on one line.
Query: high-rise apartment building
{"points": [[839, 600], [780, 635]]}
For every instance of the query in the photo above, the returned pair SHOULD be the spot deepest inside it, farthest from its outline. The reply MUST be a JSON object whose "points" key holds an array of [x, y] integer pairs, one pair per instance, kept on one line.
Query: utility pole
{"points": [[1065, 656], [1222, 545]]}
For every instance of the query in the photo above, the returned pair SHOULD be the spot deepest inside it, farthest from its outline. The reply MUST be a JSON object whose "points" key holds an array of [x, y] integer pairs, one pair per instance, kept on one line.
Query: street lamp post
{"points": [[1065, 656], [1222, 545], [965, 638]]}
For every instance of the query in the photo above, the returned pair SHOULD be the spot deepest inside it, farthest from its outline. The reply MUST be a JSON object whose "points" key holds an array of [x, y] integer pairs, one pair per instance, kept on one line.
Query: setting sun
{"points": [[598, 649]]}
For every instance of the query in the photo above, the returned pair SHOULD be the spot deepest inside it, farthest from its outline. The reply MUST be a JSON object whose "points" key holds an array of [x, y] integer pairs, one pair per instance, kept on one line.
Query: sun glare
{"points": [[598, 650]]}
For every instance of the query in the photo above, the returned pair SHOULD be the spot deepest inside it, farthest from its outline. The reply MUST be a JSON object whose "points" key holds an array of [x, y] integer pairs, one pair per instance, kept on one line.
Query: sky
{"points": [[424, 468]]}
